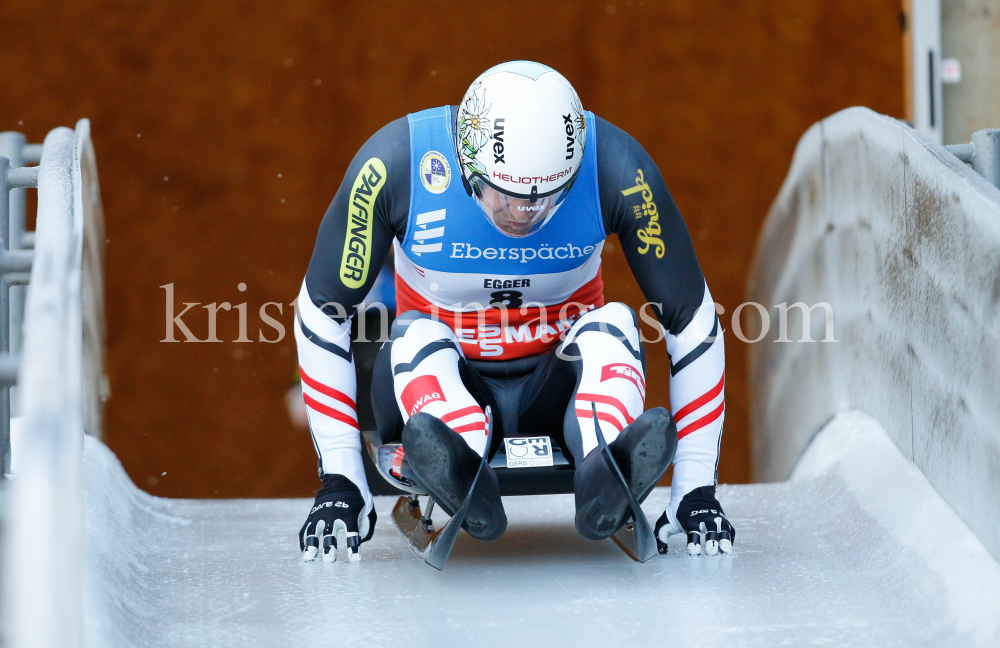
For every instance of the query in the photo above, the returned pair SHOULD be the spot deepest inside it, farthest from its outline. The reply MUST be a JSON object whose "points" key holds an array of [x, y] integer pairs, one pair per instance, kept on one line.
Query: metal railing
{"points": [[15, 267], [983, 153], [61, 383]]}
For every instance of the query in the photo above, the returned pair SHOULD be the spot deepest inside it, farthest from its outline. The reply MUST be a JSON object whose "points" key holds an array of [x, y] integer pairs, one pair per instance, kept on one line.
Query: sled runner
{"points": [[524, 466], [430, 545], [635, 537]]}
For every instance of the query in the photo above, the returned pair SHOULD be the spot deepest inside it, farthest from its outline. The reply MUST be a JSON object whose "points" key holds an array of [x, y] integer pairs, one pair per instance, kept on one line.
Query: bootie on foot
{"points": [[445, 464], [643, 452]]}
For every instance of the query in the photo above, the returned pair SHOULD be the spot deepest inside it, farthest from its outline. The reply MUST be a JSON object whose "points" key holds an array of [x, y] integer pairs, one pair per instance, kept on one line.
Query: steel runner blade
{"points": [[408, 518], [638, 542], [434, 547]]}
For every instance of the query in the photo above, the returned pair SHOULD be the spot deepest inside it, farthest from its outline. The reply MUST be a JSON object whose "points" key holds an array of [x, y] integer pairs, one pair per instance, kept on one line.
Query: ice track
{"points": [[815, 564]]}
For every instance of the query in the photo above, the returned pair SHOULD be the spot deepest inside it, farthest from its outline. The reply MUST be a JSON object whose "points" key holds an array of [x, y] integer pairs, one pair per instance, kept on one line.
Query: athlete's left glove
{"points": [[701, 516], [339, 506]]}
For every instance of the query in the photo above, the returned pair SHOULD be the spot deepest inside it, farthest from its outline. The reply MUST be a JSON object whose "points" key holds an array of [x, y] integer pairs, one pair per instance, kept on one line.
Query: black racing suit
{"points": [[667, 272]]}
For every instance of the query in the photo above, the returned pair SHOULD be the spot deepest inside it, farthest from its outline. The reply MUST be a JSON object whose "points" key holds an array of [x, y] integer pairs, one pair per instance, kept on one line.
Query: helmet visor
{"points": [[516, 217]]}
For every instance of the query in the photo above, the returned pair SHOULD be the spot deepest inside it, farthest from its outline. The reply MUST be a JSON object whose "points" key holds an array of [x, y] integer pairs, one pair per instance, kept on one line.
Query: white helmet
{"points": [[520, 134]]}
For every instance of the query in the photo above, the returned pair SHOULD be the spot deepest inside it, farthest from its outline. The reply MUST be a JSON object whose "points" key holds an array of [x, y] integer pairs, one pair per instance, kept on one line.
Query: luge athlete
{"points": [[497, 211]]}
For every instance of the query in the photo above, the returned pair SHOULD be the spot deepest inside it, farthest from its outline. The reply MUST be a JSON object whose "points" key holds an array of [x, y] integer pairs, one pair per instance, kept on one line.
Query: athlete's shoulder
{"points": [[622, 164], [390, 144], [385, 160], [616, 148]]}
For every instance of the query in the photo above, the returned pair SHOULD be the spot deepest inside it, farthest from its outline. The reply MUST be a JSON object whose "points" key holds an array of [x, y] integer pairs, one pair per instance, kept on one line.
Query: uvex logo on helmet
{"points": [[570, 130], [498, 141]]}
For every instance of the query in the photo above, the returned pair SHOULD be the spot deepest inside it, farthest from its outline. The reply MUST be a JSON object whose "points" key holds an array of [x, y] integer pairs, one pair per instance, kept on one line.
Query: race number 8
{"points": [[508, 298]]}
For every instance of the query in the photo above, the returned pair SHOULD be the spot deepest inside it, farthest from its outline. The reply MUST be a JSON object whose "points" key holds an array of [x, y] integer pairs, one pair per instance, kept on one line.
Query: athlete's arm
{"points": [[327, 282], [638, 208], [354, 238]]}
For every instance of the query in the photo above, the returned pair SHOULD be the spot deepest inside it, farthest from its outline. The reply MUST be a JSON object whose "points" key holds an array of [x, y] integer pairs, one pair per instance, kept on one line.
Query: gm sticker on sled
{"points": [[528, 452]]}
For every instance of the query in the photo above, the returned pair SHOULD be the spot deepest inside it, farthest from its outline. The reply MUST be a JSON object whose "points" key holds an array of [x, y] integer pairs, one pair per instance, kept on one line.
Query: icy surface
{"points": [[812, 567]]}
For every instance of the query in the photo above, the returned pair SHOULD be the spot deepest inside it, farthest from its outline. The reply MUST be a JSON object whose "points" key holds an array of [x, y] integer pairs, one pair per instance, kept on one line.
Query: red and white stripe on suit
{"points": [[697, 398]]}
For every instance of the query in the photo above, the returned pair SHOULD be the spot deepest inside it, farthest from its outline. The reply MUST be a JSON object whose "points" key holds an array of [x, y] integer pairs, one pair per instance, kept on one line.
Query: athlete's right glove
{"points": [[701, 516], [339, 506]]}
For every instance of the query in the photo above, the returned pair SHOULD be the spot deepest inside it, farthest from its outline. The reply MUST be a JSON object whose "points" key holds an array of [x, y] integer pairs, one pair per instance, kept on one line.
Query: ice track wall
{"points": [[903, 241], [61, 384]]}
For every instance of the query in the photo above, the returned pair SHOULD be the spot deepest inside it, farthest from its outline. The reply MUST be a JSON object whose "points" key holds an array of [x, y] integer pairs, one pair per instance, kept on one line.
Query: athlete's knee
{"points": [[426, 361], [424, 350], [418, 336], [423, 322], [615, 314], [597, 328]]}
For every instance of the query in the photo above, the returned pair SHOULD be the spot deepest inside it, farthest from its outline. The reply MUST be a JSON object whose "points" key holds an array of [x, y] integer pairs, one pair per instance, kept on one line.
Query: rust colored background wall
{"points": [[224, 128]]}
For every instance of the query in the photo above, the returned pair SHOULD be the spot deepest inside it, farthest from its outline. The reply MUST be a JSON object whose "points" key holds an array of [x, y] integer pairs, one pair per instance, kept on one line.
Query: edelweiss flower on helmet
{"points": [[473, 129]]}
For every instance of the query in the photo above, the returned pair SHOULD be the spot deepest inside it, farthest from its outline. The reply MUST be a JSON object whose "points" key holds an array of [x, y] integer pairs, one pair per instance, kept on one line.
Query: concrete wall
{"points": [[903, 241]]}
